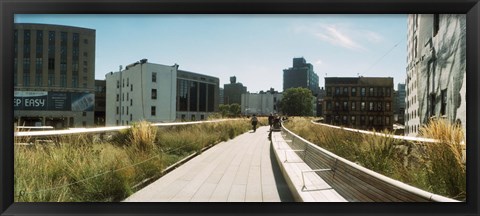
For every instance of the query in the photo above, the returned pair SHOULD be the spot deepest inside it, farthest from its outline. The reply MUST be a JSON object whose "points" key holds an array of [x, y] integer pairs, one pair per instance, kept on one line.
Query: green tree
{"points": [[235, 109], [224, 109], [297, 102]]}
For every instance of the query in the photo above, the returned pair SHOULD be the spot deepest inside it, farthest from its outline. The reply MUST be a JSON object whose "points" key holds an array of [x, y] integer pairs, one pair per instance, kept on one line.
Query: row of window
{"points": [[363, 106], [154, 79], [50, 80], [352, 91], [358, 120], [51, 36], [51, 65]]}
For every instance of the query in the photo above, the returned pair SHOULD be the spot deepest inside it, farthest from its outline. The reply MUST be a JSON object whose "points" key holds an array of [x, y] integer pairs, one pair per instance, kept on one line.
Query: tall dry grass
{"points": [[446, 170], [437, 168], [83, 168]]}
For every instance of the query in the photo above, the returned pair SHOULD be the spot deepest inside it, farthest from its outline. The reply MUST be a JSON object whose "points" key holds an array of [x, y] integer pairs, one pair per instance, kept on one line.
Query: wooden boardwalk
{"points": [[241, 170]]}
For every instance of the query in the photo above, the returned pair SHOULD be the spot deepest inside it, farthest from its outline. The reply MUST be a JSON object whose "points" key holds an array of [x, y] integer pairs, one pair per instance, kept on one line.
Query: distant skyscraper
{"points": [[233, 92], [300, 75], [399, 108]]}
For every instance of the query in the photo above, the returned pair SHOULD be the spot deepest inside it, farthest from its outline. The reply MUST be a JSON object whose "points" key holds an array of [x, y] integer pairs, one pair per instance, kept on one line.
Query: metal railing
{"points": [[102, 129]]}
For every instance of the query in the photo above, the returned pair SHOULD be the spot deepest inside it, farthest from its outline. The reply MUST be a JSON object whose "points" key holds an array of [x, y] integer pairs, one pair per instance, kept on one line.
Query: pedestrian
{"points": [[254, 122], [270, 120]]}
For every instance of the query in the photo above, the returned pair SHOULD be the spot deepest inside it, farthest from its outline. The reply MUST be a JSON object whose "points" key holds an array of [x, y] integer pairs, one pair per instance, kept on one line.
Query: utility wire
{"points": [[383, 56]]}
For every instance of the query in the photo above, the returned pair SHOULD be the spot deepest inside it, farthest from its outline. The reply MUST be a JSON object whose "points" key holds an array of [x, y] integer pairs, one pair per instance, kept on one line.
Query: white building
{"points": [[260, 103], [143, 91], [436, 70]]}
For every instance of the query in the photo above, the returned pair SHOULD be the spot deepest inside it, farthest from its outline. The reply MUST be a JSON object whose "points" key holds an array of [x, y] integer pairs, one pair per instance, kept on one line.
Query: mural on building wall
{"points": [[442, 70]]}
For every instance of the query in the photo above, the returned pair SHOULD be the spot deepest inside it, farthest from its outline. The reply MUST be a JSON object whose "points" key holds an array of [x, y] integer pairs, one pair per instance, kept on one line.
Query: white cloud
{"points": [[342, 35]]}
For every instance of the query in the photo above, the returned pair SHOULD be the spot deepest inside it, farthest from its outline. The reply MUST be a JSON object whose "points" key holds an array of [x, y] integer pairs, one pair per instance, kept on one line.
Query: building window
{"points": [[337, 106], [202, 117], [131, 102], [131, 117], [128, 96], [387, 120], [154, 94], [329, 106], [387, 106], [363, 91], [353, 105], [123, 110], [443, 109], [370, 106], [370, 120], [379, 106], [131, 87], [388, 93], [38, 80], [345, 106], [345, 91], [26, 79], [154, 77], [118, 110], [432, 104], [128, 81], [436, 23], [153, 111], [371, 92], [352, 120], [362, 120], [51, 79], [337, 90], [329, 91], [118, 97], [354, 91], [362, 106], [118, 83], [123, 97], [127, 110], [117, 122]]}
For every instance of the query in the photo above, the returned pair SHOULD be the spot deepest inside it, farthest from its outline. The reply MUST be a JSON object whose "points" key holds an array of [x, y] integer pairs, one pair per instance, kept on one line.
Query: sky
{"points": [[254, 48]]}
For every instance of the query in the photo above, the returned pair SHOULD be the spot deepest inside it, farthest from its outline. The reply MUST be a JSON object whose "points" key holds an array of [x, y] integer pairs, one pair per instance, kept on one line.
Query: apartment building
{"points": [[359, 102]]}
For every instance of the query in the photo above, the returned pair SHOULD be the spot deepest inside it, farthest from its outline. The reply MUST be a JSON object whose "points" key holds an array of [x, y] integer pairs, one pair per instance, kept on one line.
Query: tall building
{"points": [[100, 96], [221, 97], [301, 75], [54, 72], [359, 102], [436, 71], [233, 92], [159, 93], [262, 103], [399, 107]]}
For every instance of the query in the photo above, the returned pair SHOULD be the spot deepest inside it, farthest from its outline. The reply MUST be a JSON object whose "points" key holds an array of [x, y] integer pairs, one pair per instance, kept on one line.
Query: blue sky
{"points": [[254, 48]]}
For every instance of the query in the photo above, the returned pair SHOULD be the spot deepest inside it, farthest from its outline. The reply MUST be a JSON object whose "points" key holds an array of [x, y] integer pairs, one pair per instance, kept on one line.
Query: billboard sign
{"points": [[30, 100], [59, 101], [53, 101]]}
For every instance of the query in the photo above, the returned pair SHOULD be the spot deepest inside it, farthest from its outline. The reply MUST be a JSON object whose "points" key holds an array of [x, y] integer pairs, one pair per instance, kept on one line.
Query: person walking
{"points": [[270, 120], [254, 122]]}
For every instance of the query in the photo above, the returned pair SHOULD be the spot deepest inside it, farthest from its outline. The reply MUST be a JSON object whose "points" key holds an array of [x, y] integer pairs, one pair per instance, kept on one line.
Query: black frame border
{"points": [[10, 7]]}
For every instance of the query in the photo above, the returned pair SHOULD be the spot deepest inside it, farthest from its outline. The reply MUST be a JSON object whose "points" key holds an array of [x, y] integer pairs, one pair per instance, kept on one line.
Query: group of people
{"points": [[273, 120]]}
